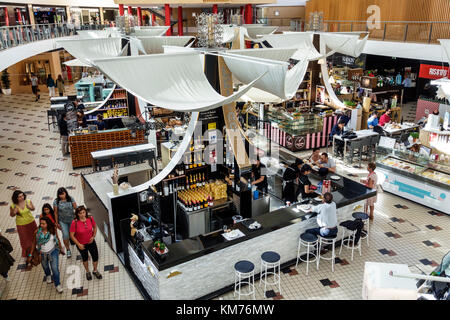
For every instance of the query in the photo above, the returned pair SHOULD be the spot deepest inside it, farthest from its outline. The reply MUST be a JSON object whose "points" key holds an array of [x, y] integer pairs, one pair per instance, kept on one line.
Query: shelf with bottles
{"points": [[119, 94], [202, 196]]}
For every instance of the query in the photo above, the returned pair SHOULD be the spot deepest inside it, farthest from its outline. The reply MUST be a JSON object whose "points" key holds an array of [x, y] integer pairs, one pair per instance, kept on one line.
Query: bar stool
{"points": [[244, 273], [308, 240], [365, 219], [349, 242], [270, 260], [328, 240]]}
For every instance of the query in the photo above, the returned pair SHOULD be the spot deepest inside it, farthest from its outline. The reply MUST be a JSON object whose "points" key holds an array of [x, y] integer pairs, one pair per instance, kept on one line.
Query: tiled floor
{"points": [[30, 159]]}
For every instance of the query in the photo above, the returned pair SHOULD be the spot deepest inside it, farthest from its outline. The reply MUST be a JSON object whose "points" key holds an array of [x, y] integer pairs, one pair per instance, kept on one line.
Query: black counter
{"points": [[346, 192]]}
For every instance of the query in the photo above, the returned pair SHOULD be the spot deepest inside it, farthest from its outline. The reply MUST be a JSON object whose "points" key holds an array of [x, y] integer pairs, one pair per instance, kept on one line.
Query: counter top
{"points": [[97, 132], [347, 192]]}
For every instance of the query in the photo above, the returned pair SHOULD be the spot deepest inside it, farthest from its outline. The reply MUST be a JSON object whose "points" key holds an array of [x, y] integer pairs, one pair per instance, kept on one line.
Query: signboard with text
{"points": [[428, 71]]}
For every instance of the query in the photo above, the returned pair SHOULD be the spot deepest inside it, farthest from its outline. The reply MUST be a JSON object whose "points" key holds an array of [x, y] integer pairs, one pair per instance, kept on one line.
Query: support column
{"points": [[214, 9], [19, 16], [180, 20], [102, 18], [242, 13], [153, 19], [121, 10], [31, 14], [248, 14], [167, 21], [6, 17], [139, 16], [130, 11], [170, 19], [69, 16]]}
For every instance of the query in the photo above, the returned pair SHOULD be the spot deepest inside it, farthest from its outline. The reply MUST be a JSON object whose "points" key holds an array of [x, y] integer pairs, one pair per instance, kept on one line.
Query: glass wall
{"points": [[109, 15], [44, 15], [16, 15]]}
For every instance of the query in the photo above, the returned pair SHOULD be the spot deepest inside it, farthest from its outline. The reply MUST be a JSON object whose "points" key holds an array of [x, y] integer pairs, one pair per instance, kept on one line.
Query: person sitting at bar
{"points": [[372, 122], [385, 118], [326, 217], [260, 180], [304, 185], [101, 125], [81, 119], [338, 129], [327, 162], [315, 156]]}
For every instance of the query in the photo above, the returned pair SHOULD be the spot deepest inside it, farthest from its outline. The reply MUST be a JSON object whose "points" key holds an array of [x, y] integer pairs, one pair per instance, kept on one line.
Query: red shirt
{"points": [[83, 230], [384, 119]]}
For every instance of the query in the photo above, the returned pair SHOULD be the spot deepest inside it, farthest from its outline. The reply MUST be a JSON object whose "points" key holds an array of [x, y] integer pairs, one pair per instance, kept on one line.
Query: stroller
{"points": [[435, 288]]}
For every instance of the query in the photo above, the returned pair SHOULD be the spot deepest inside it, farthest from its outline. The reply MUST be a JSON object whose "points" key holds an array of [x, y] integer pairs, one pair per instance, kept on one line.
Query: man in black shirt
{"points": [[64, 132], [260, 180], [338, 129], [290, 176]]}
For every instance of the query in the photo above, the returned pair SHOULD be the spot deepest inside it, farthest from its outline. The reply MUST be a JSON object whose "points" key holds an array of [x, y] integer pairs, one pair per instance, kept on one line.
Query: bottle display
{"points": [[200, 196]]}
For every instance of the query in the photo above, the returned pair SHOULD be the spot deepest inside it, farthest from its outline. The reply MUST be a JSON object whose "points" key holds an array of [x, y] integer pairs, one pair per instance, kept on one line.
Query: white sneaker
{"points": [[49, 279], [69, 254], [59, 289]]}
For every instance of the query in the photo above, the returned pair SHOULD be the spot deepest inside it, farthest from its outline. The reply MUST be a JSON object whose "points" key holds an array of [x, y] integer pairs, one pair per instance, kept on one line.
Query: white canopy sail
{"points": [[279, 80], [253, 32], [88, 49], [96, 34], [303, 41], [348, 44], [257, 95], [154, 45], [444, 88], [229, 34], [172, 81], [150, 32], [76, 63]]}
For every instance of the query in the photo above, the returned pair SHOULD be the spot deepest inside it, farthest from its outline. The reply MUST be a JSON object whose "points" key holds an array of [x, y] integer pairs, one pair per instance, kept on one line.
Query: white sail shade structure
{"points": [[257, 32], [257, 95], [88, 49], [173, 81], [229, 33], [154, 45], [303, 41], [279, 80], [96, 34], [76, 63], [326, 78], [444, 88], [159, 31], [348, 44]]}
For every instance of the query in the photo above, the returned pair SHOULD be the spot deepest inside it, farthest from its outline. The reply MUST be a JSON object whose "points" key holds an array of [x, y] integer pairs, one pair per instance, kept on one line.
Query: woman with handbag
{"points": [[26, 225], [64, 206], [47, 243], [82, 232]]}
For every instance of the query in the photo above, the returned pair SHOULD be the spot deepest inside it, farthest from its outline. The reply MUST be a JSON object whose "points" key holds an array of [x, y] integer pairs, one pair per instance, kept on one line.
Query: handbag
{"points": [[35, 258]]}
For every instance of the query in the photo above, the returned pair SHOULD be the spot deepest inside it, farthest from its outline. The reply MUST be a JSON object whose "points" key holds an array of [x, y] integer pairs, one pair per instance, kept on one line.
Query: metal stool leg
{"points": [[353, 245], [279, 275], [319, 248], [342, 241], [368, 227], [332, 256], [307, 259], [298, 252]]}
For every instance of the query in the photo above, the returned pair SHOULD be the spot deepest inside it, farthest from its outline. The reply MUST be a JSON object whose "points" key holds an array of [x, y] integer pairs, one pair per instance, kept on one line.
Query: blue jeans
{"points": [[324, 232], [51, 261], [65, 228]]}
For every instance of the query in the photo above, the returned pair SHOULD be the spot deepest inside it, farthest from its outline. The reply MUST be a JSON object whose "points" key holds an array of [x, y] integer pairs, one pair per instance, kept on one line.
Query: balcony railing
{"points": [[22, 34]]}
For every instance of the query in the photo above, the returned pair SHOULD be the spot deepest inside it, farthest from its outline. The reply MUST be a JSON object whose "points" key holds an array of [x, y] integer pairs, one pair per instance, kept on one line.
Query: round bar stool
{"points": [[349, 242], [270, 260], [365, 219], [307, 240], [244, 273], [328, 240]]}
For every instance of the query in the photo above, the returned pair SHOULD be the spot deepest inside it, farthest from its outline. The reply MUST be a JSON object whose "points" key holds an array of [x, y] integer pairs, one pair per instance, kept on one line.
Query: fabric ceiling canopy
{"points": [[348, 44], [303, 41], [326, 78], [445, 43], [252, 31], [279, 80], [444, 88], [88, 49], [76, 63], [257, 95], [229, 34], [95, 34], [154, 45], [173, 81], [150, 32]]}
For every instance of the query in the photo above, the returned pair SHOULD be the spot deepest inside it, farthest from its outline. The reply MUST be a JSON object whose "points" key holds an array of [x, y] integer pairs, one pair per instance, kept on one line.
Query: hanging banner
{"points": [[233, 128]]}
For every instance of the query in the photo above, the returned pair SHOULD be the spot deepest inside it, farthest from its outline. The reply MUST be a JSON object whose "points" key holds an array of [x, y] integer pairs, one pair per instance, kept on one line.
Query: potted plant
{"points": [[6, 83]]}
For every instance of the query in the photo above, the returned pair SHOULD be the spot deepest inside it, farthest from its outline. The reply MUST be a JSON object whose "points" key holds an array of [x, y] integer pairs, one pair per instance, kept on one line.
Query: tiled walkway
{"points": [[30, 159]]}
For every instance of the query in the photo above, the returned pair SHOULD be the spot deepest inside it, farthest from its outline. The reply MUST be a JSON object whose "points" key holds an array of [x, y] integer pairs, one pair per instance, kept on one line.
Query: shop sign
{"points": [[433, 72], [355, 74]]}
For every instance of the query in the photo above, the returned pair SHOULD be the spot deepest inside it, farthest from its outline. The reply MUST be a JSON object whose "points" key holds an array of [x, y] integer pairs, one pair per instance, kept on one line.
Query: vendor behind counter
{"points": [[258, 174]]}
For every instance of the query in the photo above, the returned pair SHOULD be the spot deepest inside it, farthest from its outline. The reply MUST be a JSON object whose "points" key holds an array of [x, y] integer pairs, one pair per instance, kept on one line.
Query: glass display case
{"points": [[295, 123], [415, 177]]}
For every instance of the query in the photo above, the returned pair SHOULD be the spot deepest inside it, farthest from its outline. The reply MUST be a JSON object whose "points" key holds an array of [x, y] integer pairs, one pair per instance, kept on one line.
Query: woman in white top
{"points": [[47, 242]]}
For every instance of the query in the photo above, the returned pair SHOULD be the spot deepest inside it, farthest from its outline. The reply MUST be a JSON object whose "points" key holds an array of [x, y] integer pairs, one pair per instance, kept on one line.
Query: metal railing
{"points": [[403, 31], [22, 34]]}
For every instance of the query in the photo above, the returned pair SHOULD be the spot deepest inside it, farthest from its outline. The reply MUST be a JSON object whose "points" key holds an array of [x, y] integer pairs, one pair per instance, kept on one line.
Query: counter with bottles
{"points": [[415, 177]]}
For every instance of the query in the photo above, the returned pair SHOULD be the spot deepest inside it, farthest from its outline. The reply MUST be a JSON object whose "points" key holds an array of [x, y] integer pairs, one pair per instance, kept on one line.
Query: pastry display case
{"points": [[415, 177]]}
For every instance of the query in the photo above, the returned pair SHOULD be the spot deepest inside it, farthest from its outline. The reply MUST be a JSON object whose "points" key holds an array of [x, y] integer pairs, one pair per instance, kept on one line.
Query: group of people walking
{"points": [[51, 85], [75, 224]]}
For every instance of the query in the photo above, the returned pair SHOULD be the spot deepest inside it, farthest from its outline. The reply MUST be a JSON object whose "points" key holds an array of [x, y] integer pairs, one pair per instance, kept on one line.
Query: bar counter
{"points": [[203, 266]]}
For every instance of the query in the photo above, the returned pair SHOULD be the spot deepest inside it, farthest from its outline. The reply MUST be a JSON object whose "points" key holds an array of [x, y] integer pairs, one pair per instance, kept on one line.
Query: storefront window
{"points": [[17, 15], [43, 15], [84, 16], [41, 68], [109, 15]]}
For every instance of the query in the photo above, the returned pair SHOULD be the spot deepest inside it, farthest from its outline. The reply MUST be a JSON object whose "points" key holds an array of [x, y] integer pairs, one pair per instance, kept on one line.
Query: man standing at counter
{"points": [[258, 174], [327, 162], [338, 129], [326, 217]]}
